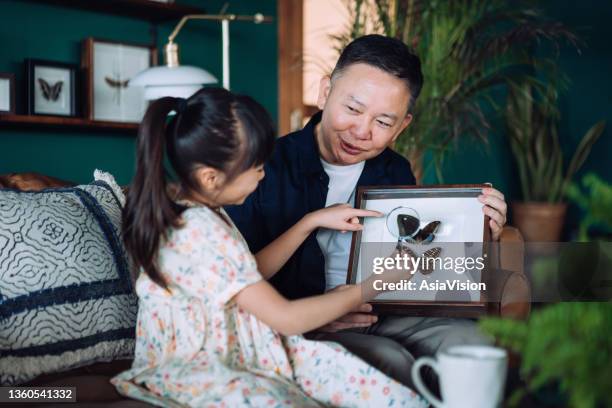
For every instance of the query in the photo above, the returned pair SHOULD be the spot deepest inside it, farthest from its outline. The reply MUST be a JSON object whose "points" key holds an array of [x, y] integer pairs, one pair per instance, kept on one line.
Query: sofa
{"points": [[92, 381]]}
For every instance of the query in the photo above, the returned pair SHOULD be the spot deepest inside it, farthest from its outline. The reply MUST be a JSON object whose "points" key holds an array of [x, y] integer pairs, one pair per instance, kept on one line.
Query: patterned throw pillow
{"points": [[66, 295]]}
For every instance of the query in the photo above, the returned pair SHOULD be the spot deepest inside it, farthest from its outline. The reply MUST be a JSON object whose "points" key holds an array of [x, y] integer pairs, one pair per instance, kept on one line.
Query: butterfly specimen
{"points": [[403, 247], [408, 227], [427, 263], [427, 234], [116, 83], [409, 232], [428, 257], [50, 93]]}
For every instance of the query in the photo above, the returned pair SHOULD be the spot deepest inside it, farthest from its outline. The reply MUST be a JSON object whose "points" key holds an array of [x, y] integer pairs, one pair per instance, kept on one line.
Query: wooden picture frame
{"points": [[456, 206], [51, 88], [7, 93], [107, 68]]}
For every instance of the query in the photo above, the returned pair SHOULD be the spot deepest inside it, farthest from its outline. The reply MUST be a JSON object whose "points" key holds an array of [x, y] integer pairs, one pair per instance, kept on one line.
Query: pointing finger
{"points": [[366, 213]]}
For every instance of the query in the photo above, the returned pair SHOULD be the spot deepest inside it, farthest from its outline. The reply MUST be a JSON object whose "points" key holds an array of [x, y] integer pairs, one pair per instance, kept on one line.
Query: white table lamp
{"points": [[177, 80]]}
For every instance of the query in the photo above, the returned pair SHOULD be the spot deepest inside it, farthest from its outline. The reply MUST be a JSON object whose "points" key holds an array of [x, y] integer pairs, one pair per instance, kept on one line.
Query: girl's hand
{"points": [[401, 269], [341, 217]]}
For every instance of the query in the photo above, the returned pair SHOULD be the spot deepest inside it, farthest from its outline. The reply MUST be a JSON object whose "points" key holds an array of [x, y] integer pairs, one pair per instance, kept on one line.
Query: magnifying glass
{"points": [[403, 223]]}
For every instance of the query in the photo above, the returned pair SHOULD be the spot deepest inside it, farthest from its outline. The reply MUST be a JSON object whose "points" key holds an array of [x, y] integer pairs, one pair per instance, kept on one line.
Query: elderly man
{"points": [[366, 103]]}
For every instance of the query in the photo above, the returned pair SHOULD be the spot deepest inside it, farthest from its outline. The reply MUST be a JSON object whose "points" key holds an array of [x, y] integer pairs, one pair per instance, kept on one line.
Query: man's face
{"points": [[364, 111]]}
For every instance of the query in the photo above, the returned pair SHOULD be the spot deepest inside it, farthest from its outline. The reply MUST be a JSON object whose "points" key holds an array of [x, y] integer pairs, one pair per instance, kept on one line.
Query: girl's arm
{"points": [[339, 217], [297, 316], [303, 315]]}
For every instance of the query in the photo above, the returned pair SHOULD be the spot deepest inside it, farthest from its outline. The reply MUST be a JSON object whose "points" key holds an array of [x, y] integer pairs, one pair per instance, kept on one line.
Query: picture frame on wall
{"points": [[108, 66], [445, 227], [7, 93], [51, 87]]}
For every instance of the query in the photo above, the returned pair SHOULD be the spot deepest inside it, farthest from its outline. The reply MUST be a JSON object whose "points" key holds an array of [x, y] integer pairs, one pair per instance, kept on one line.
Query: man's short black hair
{"points": [[385, 53]]}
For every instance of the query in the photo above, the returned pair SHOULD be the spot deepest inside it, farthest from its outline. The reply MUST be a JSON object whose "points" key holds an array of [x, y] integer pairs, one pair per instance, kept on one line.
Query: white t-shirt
{"points": [[335, 245]]}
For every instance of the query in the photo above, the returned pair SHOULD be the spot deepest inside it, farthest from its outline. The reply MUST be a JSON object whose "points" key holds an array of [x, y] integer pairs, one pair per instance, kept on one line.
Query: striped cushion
{"points": [[66, 295]]}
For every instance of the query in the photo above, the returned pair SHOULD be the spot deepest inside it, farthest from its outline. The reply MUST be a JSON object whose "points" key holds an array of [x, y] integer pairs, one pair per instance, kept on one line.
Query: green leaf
{"points": [[583, 149], [569, 344]]}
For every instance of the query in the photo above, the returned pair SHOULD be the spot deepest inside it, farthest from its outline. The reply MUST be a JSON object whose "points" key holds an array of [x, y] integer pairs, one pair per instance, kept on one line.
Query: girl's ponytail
{"points": [[149, 210], [213, 128]]}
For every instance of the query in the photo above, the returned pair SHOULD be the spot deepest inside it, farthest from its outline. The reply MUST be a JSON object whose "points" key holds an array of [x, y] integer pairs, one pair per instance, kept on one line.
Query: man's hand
{"points": [[496, 208], [359, 317]]}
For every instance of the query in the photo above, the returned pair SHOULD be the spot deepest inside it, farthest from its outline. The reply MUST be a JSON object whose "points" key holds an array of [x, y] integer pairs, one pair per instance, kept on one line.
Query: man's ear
{"points": [[324, 88], [405, 122]]}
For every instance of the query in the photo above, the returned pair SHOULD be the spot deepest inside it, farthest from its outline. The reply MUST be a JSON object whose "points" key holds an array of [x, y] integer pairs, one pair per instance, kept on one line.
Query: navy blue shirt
{"points": [[294, 185]]}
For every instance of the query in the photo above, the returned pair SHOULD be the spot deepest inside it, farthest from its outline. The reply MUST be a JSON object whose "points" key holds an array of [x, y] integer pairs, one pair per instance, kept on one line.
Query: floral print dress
{"points": [[196, 347]]}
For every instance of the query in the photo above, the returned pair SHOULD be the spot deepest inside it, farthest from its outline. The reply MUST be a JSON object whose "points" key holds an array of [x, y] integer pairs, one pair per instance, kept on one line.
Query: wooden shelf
{"points": [[147, 10], [141, 9], [64, 123]]}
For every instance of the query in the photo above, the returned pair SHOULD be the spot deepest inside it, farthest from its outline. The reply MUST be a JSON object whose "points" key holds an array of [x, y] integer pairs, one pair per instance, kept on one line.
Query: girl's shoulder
{"points": [[196, 215], [203, 222]]}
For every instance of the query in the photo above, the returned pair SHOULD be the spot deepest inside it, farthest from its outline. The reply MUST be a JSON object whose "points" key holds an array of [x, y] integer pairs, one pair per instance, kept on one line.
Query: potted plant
{"points": [[565, 353], [532, 127], [596, 202]]}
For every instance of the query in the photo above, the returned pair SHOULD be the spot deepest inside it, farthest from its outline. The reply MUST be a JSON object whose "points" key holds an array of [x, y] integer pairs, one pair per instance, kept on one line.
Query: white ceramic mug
{"points": [[469, 376]]}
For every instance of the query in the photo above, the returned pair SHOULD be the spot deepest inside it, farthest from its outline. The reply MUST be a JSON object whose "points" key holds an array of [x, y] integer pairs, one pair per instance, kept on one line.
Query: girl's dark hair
{"points": [[214, 128]]}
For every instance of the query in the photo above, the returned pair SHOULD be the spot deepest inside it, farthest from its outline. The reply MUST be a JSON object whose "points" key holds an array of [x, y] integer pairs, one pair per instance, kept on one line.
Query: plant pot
{"points": [[539, 221]]}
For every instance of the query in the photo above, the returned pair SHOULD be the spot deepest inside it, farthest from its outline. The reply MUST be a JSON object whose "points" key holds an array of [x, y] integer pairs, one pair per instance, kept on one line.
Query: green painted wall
{"points": [[589, 97], [34, 30], [588, 100], [29, 29]]}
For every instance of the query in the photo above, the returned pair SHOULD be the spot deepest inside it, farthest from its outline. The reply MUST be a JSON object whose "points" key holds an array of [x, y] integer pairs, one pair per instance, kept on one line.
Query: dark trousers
{"points": [[394, 342]]}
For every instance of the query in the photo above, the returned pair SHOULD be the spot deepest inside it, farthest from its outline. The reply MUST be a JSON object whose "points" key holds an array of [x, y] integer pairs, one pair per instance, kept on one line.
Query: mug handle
{"points": [[420, 386]]}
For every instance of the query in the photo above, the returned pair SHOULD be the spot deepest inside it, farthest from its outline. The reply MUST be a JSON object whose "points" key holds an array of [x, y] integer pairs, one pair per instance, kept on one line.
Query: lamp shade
{"points": [[179, 82]]}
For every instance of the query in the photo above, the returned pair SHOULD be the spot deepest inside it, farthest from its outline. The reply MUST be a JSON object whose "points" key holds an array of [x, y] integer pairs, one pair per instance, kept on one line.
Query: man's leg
{"points": [[425, 336], [385, 354], [391, 344]]}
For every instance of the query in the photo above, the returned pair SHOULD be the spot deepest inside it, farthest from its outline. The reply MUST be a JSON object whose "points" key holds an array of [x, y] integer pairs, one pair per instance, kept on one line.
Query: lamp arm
{"points": [[257, 18]]}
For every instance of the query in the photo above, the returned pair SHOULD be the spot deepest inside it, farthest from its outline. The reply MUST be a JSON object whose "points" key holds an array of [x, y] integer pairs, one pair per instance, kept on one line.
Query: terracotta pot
{"points": [[539, 221]]}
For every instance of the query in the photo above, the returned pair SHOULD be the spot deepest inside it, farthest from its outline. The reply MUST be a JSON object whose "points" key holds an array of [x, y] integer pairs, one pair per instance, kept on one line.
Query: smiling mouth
{"points": [[349, 148]]}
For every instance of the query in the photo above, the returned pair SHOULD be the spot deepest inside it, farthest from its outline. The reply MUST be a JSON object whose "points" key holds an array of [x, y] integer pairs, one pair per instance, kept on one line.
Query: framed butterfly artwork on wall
{"points": [[7, 93], [51, 87], [428, 255], [108, 66]]}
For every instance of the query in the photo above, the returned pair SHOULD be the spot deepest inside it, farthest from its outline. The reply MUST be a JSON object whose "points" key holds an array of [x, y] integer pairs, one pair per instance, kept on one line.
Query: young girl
{"points": [[211, 330]]}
